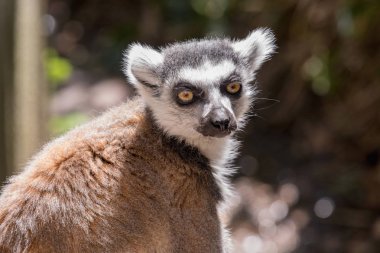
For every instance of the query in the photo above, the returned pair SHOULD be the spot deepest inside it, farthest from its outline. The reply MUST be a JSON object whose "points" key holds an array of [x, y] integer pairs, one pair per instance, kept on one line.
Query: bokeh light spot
{"points": [[289, 193], [252, 244], [278, 210], [324, 207]]}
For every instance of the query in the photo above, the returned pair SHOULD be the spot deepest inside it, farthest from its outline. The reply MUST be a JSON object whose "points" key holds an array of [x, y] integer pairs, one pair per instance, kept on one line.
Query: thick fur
{"points": [[140, 178], [116, 184]]}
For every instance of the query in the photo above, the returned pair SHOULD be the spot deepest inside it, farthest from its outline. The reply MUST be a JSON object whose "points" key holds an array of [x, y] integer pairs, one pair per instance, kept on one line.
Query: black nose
{"points": [[221, 124], [218, 123]]}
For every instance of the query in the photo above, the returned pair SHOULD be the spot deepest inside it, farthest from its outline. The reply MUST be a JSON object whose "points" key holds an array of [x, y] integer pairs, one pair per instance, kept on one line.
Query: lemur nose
{"points": [[218, 123], [222, 124], [222, 121]]}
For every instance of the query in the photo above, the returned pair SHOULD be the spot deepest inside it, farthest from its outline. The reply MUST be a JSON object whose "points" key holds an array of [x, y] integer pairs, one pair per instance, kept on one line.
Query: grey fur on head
{"points": [[149, 64]]}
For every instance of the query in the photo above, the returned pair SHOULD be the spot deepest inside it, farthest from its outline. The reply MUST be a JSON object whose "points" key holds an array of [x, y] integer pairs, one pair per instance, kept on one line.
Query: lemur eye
{"points": [[185, 96], [233, 88]]}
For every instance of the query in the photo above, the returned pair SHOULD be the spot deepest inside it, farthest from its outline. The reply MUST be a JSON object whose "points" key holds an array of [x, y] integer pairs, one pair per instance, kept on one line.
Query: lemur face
{"points": [[207, 85], [199, 88]]}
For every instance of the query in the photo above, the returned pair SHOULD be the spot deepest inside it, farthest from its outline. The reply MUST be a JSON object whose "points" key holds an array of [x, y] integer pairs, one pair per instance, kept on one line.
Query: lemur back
{"points": [[119, 185], [150, 175]]}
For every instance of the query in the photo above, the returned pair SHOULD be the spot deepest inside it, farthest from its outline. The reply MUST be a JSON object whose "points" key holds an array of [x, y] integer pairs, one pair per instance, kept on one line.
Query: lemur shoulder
{"points": [[149, 175]]}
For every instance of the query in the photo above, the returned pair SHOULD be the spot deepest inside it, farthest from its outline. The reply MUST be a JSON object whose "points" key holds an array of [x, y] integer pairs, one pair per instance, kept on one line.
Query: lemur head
{"points": [[199, 88]]}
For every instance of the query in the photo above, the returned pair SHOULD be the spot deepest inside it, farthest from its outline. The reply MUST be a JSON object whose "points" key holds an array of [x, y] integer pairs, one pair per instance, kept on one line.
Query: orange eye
{"points": [[186, 96], [233, 88]]}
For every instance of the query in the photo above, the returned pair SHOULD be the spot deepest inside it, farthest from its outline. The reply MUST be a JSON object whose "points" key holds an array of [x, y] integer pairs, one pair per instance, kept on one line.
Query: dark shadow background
{"points": [[309, 173]]}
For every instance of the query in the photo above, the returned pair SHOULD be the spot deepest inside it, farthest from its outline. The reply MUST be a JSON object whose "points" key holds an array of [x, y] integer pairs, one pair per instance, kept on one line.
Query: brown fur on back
{"points": [[116, 184]]}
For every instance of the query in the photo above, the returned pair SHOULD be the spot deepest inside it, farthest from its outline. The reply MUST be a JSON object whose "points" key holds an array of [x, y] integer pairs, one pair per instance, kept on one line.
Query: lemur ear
{"points": [[141, 65], [256, 48]]}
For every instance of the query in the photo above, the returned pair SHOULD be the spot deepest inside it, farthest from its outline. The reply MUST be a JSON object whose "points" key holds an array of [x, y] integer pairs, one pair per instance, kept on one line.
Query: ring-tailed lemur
{"points": [[146, 176]]}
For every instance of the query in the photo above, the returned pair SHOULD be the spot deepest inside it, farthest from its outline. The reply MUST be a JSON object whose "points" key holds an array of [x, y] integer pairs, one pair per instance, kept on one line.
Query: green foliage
{"points": [[317, 70], [58, 69], [213, 9], [61, 124]]}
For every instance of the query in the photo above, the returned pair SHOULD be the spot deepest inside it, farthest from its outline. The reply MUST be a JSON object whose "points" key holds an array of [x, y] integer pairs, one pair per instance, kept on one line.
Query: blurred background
{"points": [[309, 170]]}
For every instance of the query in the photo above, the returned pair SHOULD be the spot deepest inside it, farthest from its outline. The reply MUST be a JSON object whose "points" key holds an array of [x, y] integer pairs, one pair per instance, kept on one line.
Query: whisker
{"points": [[274, 102], [258, 116], [268, 99]]}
